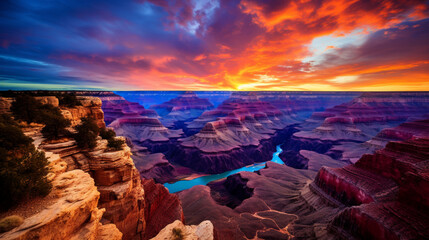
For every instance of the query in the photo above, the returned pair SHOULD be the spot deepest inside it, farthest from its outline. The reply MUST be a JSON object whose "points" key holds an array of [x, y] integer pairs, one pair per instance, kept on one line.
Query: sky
{"points": [[316, 45]]}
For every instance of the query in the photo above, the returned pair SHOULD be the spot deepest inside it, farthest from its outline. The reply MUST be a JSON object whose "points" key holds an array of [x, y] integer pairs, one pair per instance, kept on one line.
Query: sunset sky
{"points": [[318, 45]]}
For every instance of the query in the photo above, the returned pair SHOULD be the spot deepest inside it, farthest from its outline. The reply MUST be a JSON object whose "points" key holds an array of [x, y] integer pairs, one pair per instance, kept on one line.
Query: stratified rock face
{"points": [[161, 208], [116, 107], [389, 189], [204, 231], [91, 107], [73, 214], [114, 173], [141, 129], [184, 107], [116, 178]]}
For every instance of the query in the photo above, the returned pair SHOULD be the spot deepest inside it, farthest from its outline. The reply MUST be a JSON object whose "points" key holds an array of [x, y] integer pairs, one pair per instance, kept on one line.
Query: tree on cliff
{"points": [[23, 169], [86, 133], [55, 123], [26, 108], [69, 100]]}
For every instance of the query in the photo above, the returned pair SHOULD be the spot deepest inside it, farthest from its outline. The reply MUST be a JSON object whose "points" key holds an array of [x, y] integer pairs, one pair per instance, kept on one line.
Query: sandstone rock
{"points": [[76, 199], [204, 231], [49, 100], [108, 232], [5, 104]]}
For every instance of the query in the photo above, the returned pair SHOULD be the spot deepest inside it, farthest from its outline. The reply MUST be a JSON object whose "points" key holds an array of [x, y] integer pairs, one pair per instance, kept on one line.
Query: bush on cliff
{"points": [[55, 123], [69, 100], [86, 133], [115, 144], [177, 234], [10, 222], [26, 108], [23, 169], [107, 133]]}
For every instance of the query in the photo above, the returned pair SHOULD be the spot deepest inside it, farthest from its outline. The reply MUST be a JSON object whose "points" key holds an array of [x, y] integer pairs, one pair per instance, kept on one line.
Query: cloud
{"points": [[219, 44]]}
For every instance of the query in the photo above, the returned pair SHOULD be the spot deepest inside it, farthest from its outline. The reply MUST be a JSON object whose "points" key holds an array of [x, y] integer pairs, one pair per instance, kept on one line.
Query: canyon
{"points": [[254, 165], [97, 193]]}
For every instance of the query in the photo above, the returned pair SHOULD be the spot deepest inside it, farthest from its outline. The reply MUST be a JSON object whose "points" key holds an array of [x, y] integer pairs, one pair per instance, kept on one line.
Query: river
{"points": [[186, 184]]}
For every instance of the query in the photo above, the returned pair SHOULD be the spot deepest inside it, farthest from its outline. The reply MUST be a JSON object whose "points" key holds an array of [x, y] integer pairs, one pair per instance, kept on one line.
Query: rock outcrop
{"points": [[161, 208], [71, 210], [91, 107], [115, 176], [386, 192], [204, 231]]}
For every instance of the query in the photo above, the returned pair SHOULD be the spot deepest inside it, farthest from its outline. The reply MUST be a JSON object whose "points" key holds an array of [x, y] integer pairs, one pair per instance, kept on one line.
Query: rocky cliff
{"points": [[70, 211], [97, 193], [386, 192]]}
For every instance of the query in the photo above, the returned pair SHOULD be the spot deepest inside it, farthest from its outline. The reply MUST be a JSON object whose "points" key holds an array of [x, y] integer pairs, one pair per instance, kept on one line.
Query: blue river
{"points": [[186, 184]]}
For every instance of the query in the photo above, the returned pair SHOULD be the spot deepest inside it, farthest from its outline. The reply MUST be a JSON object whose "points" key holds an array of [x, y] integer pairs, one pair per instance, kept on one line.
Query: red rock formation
{"points": [[389, 188], [161, 208]]}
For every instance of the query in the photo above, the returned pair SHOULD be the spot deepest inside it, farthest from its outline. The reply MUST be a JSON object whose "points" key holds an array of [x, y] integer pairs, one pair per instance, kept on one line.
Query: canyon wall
{"points": [[98, 192]]}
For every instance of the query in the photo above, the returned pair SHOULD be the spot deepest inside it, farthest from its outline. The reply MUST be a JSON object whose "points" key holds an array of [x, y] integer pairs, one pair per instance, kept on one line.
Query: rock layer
{"points": [[161, 208], [388, 191]]}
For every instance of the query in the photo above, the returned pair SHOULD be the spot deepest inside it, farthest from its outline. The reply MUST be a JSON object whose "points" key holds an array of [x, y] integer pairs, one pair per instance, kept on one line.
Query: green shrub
{"points": [[55, 123], [23, 169], [11, 136], [177, 234], [26, 108], [86, 133], [10, 222], [69, 100], [115, 144], [107, 133]]}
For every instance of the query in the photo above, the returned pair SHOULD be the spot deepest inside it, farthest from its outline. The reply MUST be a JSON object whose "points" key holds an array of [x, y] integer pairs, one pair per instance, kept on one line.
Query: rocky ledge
{"points": [[71, 211]]}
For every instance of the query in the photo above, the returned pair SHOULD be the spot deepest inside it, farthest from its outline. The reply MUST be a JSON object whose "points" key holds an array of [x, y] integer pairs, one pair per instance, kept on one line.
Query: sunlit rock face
{"points": [[387, 190], [91, 107], [72, 208], [204, 231], [114, 173], [186, 106], [71, 214]]}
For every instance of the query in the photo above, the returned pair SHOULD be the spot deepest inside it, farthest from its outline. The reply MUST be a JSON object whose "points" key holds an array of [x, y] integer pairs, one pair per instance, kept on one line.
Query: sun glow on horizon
{"points": [[217, 45]]}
